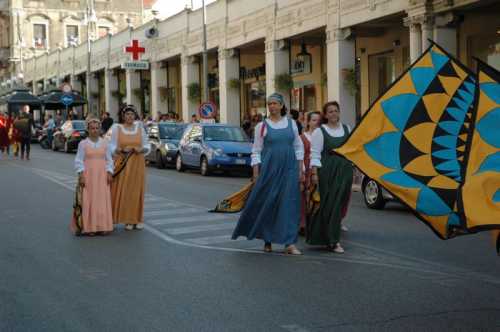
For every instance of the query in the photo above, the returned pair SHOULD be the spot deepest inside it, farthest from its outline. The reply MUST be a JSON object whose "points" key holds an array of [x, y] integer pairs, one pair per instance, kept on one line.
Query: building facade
{"points": [[312, 51], [34, 28]]}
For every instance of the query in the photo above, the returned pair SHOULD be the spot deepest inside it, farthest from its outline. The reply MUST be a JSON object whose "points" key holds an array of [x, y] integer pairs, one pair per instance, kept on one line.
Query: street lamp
{"points": [[205, 60], [91, 20]]}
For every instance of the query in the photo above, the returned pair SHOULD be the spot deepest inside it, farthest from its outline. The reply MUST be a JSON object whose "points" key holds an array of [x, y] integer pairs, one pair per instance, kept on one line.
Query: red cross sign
{"points": [[135, 49]]}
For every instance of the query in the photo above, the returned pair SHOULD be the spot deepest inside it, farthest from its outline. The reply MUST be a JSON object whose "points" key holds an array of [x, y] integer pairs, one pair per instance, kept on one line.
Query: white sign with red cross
{"points": [[135, 51]]}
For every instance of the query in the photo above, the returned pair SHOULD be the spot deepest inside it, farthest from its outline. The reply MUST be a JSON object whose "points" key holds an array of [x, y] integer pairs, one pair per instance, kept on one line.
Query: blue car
{"points": [[211, 147]]}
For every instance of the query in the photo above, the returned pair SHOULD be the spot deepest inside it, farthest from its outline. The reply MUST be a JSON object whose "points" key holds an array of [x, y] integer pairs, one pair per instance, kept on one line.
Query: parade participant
{"points": [[129, 143], [334, 175], [13, 135], [313, 121], [94, 165], [272, 211], [23, 128], [4, 135]]}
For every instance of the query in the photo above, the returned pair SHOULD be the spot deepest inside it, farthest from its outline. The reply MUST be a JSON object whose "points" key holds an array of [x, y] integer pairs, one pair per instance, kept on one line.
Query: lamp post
{"points": [[205, 59], [91, 19]]}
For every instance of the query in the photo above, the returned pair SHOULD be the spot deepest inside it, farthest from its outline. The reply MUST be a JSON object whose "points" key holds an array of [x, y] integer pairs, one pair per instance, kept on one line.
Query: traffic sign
{"points": [[67, 99], [136, 65], [207, 110]]}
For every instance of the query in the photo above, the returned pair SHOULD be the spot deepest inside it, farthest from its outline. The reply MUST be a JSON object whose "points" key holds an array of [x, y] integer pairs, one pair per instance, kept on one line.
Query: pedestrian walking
{"points": [[272, 212], [50, 125], [129, 144], [333, 174], [313, 121], [94, 166], [4, 135], [23, 128], [107, 122]]}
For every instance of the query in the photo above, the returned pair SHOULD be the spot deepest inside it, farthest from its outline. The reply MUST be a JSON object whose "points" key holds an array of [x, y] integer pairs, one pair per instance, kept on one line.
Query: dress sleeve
{"points": [[298, 145], [110, 165], [145, 142], [258, 143], [113, 143], [80, 158], [317, 141]]}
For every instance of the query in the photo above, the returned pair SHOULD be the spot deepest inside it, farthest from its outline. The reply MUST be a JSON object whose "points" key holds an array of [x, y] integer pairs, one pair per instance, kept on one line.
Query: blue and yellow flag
{"points": [[430, 133]]}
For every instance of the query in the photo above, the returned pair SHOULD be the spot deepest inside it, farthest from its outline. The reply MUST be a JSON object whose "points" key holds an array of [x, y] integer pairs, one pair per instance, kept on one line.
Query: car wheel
{"points": [[372, 194], [204, 168], [54, 145], [66, 147], [179, 166], [159, 161]]}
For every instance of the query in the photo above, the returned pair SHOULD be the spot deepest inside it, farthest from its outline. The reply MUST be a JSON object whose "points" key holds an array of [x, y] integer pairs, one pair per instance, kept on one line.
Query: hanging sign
{"points": [[207, 110], [135, 65], [67, 99], [135, 50]]}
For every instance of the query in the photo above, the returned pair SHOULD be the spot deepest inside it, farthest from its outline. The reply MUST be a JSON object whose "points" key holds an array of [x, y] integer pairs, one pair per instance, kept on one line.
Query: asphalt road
{"points": [[182, 273]]}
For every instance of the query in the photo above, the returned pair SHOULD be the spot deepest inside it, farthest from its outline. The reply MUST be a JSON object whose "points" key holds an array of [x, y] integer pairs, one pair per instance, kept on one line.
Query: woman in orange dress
{"points": [[313, 121], [129, 144], [94, 165]]}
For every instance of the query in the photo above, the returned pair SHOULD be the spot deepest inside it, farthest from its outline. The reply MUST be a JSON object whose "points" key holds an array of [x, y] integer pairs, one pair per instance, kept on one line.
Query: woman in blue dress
{"points": [[272, 211]]}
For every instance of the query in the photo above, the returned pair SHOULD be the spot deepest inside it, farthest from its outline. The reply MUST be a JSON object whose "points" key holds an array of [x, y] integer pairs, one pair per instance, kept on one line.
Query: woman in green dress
{"points": [[333, 175]]}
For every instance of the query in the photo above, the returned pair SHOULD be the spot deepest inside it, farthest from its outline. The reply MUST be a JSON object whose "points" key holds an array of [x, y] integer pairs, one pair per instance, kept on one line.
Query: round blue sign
{"points": [[207, 110], [67, 99]]}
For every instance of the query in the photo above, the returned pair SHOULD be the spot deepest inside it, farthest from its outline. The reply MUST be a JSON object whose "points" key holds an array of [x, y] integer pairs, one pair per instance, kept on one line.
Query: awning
{"points": [[20, 96], [53, 100]]}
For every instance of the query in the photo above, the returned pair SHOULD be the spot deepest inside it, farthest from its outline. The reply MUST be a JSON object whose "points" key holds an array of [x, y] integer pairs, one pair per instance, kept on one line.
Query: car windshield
{"points": [[171, 131], [228, 134], [79, 125]]}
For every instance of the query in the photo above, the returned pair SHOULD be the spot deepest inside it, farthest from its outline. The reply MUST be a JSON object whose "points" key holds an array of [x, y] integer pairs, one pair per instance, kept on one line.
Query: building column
{"points": [[93, 86], [341, 56], [415, 38], [110, 86], [159, 103], [133, 83], [190, 73], [229, 69], [277, 62], [75, 83], [445, 33], [427, 31]]}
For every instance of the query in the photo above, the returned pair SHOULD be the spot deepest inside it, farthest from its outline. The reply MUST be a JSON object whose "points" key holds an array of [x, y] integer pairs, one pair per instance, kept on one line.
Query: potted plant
{"points": [[284, 82], [194, 91], [234, 83], [350, 80]]}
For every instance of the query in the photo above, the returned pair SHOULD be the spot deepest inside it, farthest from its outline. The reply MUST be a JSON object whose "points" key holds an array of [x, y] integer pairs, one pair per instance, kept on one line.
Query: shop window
{"points": [[72, 35], [304, 98], [382, 72], [485, 47], [40, 35], [256, 98]]}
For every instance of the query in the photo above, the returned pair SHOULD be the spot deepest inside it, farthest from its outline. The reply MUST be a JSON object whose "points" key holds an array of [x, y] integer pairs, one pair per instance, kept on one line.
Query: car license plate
{"points": [[240, 162]]}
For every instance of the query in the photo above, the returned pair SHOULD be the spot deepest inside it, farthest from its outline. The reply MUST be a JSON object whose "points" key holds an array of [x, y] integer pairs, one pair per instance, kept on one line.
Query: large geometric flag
{"points": [[480, 193], [413, 139]]}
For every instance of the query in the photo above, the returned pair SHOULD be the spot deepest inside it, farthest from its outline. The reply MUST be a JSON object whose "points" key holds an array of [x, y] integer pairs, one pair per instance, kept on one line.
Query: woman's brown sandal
{"points": [[268, 247]]}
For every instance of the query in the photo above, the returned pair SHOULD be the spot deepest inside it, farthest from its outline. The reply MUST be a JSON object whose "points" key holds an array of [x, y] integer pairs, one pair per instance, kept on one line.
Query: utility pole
{"points": [[205, 59]]}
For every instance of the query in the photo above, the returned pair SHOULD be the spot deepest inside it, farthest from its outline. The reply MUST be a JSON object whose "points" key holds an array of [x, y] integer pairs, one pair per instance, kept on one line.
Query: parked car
{"points": [[374, 195], [211, 147], [164, 138], [69, 135]]}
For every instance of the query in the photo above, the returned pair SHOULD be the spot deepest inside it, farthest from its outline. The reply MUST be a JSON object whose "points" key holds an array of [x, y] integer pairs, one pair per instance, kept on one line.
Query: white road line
{"points": [[201, 228], [174, 212], [195, 218], [156, 205], [215, 239]]}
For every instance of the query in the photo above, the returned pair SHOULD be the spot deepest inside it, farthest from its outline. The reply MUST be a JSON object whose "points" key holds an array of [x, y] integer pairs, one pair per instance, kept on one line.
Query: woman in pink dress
{"points": [[94, 165], [313, 121]]}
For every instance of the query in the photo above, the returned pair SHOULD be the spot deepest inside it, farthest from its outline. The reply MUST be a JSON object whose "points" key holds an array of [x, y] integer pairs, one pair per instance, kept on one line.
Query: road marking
{"points": [[294, 328], [174, 212], [215, 239], [188, 219], [197, 229], [420, 266]]}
